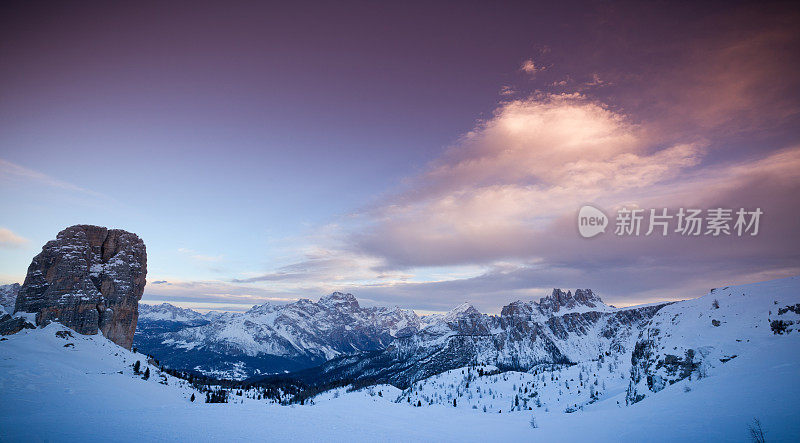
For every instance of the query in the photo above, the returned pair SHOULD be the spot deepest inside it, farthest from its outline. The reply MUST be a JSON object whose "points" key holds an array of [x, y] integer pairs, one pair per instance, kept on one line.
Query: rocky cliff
{"points": [[90, 279]]}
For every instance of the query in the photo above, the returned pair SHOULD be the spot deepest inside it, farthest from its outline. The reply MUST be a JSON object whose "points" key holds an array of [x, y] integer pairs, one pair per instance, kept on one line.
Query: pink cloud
{"points": [[510, 187], [8, 239], [517, 172], [529, 67]]}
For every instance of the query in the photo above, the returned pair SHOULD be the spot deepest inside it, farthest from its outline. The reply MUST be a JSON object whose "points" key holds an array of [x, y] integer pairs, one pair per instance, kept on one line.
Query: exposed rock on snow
{"points": [[11, 325], [90, 279], [560, 301]]}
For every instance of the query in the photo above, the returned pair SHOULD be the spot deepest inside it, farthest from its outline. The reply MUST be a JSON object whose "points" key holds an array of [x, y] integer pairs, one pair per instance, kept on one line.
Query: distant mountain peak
{"points": [[336, 299], [267, 306], [517, 308], [559, 300], [463, 310], [167, 311], [338, 296], [273, 337], [8, 296]]}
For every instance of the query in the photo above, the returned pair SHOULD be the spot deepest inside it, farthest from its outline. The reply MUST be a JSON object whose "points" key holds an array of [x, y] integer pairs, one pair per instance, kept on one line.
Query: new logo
{"points": [[591, 221]]}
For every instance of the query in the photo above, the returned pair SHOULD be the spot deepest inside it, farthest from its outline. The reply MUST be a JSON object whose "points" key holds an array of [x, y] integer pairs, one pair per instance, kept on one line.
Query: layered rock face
{"points": [[90, 279]]}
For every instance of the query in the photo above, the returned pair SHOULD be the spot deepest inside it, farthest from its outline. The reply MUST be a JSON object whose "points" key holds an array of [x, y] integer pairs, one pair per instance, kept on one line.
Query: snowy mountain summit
{"points": [[270, 338], [561, 328], [341, 301], [273, 338], [168, 312], [560, 301], [463, 310]]}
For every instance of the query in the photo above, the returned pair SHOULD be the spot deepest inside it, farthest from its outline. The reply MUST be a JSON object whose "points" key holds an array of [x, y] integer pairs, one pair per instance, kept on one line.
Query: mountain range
{"points": [[269, 338], [560, 329], [387, 344]]}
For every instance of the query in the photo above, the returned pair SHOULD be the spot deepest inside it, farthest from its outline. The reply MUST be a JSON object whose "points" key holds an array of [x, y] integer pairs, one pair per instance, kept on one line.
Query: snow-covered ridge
{"points": [[559, 329], [271, 337], [168, 312], [305, 333], [564, 329]]}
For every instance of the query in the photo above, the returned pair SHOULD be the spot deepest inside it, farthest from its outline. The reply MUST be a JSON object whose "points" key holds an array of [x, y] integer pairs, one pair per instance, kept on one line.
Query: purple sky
{"points": [[413, 154]]}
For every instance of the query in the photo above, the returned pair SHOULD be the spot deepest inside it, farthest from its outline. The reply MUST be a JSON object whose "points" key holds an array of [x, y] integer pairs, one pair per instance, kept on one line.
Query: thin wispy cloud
{"points": [[214, 294], [506, 90], [11, 171], [8, 239], [194, 255]]}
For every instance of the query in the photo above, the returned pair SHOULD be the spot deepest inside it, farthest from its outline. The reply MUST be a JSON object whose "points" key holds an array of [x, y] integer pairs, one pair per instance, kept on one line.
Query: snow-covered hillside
{"points": [[556, 388], [71, 389], [697, 337]]}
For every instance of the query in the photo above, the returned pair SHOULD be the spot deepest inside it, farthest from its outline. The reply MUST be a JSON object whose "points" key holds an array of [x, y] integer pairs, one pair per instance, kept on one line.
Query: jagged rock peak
{"points": [[265, 307], [336, 299], [517, 308], [166, 311], [90, 279], [463, 310], [559, 300]]}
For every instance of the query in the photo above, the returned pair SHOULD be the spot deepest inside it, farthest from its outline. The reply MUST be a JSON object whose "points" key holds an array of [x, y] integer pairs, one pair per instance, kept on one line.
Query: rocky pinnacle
{"points": [[90, 279]]}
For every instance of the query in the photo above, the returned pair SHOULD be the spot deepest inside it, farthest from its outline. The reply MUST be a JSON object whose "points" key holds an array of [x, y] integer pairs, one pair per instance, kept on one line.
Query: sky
{"points": [[418, 154]]}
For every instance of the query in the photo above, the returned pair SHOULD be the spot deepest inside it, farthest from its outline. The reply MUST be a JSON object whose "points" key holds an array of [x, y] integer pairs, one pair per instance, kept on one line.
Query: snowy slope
{"points": [[696, 337], [49, 392], [549, 388]]}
